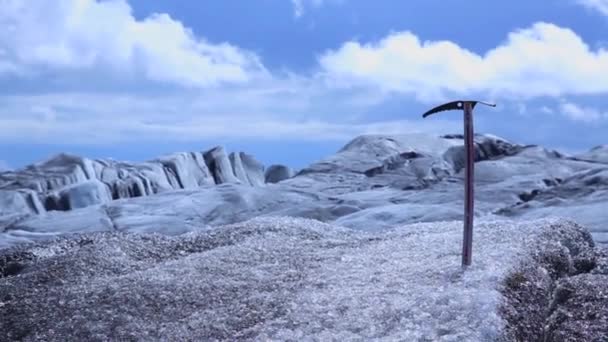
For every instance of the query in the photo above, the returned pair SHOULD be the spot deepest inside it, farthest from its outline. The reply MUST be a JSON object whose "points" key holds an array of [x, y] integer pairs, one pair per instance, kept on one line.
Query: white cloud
{"points": [[546, 110], [99, 131], [522, 108], [104, 36], [544, 60], [581, 113], [299, 6], [85, 118], [103, 41], [598, 5]]}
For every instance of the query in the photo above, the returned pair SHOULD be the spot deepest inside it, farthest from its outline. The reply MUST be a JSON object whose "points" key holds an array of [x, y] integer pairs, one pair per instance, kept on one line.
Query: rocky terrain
{"points": [[289, 279], [373, 183]]}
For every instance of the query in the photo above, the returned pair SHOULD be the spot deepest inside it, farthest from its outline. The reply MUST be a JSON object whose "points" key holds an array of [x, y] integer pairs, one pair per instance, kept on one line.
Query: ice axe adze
{"points": [[469, 167]]}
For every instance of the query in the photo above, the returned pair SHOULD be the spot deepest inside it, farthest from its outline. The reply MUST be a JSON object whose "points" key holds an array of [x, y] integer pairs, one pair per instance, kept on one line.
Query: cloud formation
{"points": [[543, 60], [300, 6], [224, 91], [85, 119], [86, 35], [598, 5], [581, 113]]}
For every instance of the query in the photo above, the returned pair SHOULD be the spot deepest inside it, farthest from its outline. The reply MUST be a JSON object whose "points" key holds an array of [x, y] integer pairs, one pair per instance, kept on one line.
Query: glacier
{"points": [[373, 182], [294, 279]]}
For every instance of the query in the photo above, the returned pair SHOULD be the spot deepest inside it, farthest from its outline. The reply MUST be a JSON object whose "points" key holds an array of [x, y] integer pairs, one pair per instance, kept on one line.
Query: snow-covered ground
{"points": [[289, 279]]}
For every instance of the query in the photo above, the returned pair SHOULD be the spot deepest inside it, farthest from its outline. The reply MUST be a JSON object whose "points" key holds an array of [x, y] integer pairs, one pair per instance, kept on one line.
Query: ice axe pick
{"points": [[469, 168]]}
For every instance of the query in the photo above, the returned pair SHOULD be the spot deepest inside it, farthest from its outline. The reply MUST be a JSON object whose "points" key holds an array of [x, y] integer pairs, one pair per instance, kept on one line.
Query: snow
{"points": [[598, 154], [388, 216], [274, 278]]}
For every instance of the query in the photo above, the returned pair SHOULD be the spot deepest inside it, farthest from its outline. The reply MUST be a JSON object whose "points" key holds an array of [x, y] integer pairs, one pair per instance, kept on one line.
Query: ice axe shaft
{"points": [[469, 170]]}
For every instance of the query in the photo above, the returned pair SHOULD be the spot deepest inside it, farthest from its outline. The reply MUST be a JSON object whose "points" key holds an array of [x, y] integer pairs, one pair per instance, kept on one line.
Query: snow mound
{"points": [[598, 154], [277, 279]]}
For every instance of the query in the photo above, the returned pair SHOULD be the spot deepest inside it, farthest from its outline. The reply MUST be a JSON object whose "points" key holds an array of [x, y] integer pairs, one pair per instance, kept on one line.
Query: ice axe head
{"points": [[456, 105]]}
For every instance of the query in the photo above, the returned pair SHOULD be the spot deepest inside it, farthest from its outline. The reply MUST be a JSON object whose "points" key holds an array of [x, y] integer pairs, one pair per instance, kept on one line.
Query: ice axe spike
{"points": [[469, 146]]}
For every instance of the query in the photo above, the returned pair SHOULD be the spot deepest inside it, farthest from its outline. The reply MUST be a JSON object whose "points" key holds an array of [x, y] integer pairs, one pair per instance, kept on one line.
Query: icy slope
{"points": [[66, 182], [373, 183], [598, 154], [293, 279]]}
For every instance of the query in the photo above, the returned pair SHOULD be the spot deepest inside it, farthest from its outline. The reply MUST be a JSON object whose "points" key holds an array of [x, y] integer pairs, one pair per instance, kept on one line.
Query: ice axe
{"points": [[469, 168]]}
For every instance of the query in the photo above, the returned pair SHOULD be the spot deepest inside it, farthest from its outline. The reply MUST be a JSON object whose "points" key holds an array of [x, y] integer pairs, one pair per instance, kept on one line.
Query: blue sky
{"points": [[291, 81]]}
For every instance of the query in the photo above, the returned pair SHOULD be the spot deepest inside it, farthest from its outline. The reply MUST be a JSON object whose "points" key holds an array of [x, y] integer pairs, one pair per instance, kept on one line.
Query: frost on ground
{"points": [[293, 279]]}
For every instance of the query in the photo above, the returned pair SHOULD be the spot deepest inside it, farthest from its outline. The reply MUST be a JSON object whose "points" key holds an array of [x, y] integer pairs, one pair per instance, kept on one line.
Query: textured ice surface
{"points": [[373, 183], [67, 182], [597, 154], [271, 279]]}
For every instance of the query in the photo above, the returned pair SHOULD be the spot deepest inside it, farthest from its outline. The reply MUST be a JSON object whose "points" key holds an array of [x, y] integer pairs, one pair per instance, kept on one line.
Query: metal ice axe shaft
{"points": [[469, 168]]}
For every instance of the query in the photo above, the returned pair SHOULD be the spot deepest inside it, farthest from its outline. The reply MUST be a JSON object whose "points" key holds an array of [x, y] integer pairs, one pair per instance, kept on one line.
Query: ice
{"points": [[275, 278], [373, 183]]}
